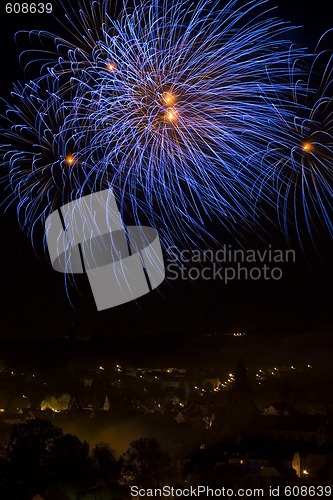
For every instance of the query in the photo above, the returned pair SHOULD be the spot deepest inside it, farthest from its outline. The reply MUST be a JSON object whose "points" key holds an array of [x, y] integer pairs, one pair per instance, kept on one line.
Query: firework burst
{"points": [[165, 103], [297, 168]]}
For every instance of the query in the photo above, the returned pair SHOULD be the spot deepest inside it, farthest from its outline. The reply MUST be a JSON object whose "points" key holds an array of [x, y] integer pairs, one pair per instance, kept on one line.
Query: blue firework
{"points": [[171, 104], [297, 168], [42, 170]]}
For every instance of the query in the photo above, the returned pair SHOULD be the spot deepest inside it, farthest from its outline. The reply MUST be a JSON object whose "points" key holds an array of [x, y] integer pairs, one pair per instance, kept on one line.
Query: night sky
{"points": [[33, 297]]}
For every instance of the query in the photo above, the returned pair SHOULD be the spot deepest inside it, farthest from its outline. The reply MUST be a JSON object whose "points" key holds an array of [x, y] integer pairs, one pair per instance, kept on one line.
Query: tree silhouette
{"points": [[41, 455], [31, 450], [32, 447], [61, 403], [71, 463], [105, 464], [145, 464]]}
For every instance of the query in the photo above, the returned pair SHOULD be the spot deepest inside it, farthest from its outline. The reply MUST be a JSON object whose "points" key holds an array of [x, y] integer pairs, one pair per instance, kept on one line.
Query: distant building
{"points": [[278, 408], [239, 412], [241, 406], [296, 464], [106, 405], [51, 494], [297, 428]]}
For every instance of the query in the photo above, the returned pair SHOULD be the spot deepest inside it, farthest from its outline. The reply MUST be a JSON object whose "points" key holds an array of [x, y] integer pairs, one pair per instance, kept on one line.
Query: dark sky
{"points": [[33, 297]]}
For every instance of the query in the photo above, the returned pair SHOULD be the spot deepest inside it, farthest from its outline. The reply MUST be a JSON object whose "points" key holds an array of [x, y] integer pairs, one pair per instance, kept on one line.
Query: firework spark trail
{"points": [[191, 120], [37, 154], [297, 168], [166, 104]]}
